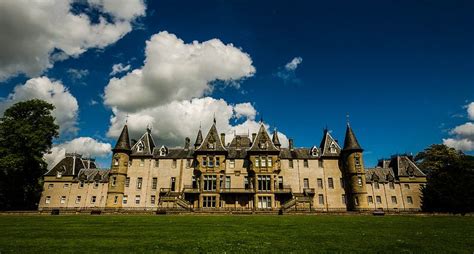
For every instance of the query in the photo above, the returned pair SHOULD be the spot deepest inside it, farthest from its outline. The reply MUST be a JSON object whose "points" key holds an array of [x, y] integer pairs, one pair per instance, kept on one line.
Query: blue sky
{"points": [[402, 70]]}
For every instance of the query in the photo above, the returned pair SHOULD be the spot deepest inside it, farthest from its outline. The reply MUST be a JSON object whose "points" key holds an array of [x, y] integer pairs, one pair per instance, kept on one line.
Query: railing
{"points": [[237, 190], [283, 189], [191, 189], [309, 191], [289, 204]]}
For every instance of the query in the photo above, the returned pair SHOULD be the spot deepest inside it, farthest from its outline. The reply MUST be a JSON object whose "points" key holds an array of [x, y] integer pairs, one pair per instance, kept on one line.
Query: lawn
{"points": [[247, 234]]}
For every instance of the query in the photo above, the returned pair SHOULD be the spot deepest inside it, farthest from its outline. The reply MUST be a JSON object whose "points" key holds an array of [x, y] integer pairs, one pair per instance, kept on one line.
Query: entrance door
{"points": [[173, 183]]}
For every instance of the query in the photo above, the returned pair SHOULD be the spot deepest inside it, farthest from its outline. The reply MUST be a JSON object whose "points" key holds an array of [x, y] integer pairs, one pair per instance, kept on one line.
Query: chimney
{"points": [[223, 138], [290, 144], [187, 141], [254, 135]]}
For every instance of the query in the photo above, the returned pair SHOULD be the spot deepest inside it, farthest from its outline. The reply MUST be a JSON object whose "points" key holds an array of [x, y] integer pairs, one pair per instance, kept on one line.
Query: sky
{"points": [[400, 71]]}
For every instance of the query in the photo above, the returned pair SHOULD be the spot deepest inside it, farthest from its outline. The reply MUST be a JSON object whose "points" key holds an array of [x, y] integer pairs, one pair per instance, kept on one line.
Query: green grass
{"points": [[244, 234]]}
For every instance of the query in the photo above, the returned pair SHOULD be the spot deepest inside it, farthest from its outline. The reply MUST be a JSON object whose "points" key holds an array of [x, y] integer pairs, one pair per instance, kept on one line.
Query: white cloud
{"points": [[287, 74], [86, 146], [78, 73], [293, 64], [245, 110], [51, 91], [175, 71], [37, 33], [470, 110], [118, 68], [463, 134]]}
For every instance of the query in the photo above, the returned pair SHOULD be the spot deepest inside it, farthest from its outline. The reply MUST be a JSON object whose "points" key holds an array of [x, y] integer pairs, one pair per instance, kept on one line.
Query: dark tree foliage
{"points": [[26, 133], [450, 186]]}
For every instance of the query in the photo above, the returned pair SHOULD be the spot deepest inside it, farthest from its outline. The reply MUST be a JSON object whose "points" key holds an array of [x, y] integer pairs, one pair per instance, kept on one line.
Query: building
{"points": [[249, 173]]}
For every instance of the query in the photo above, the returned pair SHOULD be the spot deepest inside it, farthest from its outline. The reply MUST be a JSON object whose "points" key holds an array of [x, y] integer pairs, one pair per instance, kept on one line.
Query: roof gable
{"points": [[144, 145], [262, 141], [329, 146], [212, 142]]}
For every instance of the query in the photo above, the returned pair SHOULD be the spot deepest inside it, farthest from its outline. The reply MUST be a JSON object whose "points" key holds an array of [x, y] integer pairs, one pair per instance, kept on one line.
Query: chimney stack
{"points": [[187, 141], [290, 144], [223, 138]]}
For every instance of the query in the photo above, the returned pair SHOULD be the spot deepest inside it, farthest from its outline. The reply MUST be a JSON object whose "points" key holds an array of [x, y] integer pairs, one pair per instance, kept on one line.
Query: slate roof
{"points": [[198, 138], [71, 165], [123, 142], [174, 153], [403, 166], [240, 142], [397, 166], [145, 145], [275, 139], [380, 175], [93, 175]]}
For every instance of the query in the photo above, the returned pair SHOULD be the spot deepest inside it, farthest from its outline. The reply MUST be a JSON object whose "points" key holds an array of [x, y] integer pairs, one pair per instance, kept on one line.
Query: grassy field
{"points": [[364, 234]]}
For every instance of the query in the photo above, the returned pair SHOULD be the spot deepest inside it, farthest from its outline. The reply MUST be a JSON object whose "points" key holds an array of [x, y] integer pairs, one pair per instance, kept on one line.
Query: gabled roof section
{"points": [[350, 141], [71, 165], [93, 175], [263, 142], [240, 142], [212, 142], [198, 138], [381, 175], [329, 146], [123, 142], [144, 145], [403, 166]]}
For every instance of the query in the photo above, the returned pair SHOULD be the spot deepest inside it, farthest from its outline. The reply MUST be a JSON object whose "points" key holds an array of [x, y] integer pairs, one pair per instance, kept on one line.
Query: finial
{"points": [[126, 119], [199, 124], [261, 118], [347, 119], [148, 128], [214, 118]]}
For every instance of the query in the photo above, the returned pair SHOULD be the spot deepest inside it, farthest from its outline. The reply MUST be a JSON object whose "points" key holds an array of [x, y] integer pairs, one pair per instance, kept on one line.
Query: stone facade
{"points": [[248, 173]]}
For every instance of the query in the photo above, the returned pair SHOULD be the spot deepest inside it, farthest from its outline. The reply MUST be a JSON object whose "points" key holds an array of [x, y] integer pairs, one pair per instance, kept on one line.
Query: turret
{"points": [[354, 172], [119, 168], [198, 139], [275, 139]]}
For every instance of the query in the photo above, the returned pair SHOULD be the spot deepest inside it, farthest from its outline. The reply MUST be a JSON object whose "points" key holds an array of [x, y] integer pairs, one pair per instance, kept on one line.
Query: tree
{"points": [[26, 132], [450, 185]]}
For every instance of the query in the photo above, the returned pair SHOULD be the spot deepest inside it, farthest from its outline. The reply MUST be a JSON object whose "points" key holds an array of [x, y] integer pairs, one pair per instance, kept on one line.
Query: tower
{"points": [[354, 172], [118, 173]]}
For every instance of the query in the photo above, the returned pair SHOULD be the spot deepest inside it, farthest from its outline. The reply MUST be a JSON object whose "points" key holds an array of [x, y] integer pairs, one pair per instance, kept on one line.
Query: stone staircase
{"points": [[174, 200]]}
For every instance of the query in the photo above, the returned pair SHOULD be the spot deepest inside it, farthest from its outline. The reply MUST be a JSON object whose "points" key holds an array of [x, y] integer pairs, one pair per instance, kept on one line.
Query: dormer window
{"points": [[59, 174], [333, 148], [163, 151], [314, 151], [263, 145], [140, 146], [211, 146]]}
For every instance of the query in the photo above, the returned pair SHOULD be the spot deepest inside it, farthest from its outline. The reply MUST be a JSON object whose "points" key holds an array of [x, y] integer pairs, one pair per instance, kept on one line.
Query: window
{"points": [[137, 199], [264, 202], [125, 199], [78, 199], [320, 163], [359, 181], [140, 146], [290, 162], [173, 183], [163, 151], [114, 180], [47, 200], [210, 182], [305, 183], [370, 199], [341, 180], [139, 183], [357, 160], [96, 184], [379, 199], [116, 161], [195, 182], [154, 183], [50, 186], [269, 162], [227, 182], [332, 148], [127, 182], [321, 199], [314, 151], [409, 200], [246, 182], [209, 201], [157, 163], [263, 161], [280, 182], [407, 186], [81, 184], [63, 199], [232, 163], [93, 199], [210, 162], [218, 161], [115, 199], [394, 199], [356, 201], [257, 162], [59, 174], [377, 186], [305, 163], [320, 183], [142, 162], [204, 161], [263, 182], [152, 199], [66, 185], [330, 183], [392, 185], [343, 198]]}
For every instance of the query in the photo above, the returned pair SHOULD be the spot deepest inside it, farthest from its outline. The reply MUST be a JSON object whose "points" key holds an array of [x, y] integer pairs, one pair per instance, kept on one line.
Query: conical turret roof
{"points": [[123, 142], [350, 141], [198, 138], [275, 139]]}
